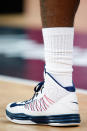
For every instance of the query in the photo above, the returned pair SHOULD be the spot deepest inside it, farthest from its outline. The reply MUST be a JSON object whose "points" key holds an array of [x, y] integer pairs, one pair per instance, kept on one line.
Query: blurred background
{"points": [[21, 41]]}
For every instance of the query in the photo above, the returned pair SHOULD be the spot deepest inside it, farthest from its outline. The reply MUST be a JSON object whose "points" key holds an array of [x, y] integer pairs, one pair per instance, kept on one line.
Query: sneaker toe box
{"points": [[14, 107]]}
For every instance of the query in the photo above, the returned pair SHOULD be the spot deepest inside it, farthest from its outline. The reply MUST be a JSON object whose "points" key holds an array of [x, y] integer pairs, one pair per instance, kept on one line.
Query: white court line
{"points": [[30, 82], [81, 91], [18, 80]]}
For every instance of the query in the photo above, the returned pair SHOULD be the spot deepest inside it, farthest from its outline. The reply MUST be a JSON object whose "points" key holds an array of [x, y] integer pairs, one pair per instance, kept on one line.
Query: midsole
{"points": [[65, 118]]}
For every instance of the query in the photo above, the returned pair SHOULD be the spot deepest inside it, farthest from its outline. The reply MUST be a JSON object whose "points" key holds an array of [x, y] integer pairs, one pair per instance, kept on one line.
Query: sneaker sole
{"points": [[53, 120]]}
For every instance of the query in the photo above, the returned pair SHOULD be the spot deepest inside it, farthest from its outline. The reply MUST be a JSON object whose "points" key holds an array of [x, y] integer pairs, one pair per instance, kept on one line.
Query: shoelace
{"points": [[41, 104], [37, 88]]}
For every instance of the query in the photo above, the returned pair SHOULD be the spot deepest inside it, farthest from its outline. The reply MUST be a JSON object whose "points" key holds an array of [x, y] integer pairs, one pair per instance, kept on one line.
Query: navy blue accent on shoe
{"points": [[38, 87], [14, 104], [69, 88], [62, 119], [75, 102]]}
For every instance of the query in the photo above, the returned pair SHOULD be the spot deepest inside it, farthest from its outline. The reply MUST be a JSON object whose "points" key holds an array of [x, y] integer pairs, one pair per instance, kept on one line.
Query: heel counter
{"points": [[72, 102]]}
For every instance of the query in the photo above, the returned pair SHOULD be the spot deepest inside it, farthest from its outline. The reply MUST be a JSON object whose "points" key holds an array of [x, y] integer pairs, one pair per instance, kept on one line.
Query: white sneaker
{"points": [[42, 109]]}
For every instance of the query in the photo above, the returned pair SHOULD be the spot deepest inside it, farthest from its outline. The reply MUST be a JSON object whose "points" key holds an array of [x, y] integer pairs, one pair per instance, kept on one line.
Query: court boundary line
{"points": [[18, 80], [30, 82]]}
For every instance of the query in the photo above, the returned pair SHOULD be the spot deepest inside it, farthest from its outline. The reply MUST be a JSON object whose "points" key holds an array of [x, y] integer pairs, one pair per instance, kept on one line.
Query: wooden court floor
{"points": [[10, 91]]}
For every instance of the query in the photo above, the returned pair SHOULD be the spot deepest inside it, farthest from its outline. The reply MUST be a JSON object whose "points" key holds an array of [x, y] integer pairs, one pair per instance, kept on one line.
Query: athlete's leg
{"points": [[57, 20], [58, 13]]}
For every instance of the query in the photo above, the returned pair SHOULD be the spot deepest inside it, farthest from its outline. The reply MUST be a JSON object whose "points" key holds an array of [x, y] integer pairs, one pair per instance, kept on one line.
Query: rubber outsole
{"points": [[53, 120]]}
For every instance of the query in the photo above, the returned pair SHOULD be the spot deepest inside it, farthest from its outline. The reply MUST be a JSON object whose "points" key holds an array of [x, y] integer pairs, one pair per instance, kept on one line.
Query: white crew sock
{"points": [[58, 43]]}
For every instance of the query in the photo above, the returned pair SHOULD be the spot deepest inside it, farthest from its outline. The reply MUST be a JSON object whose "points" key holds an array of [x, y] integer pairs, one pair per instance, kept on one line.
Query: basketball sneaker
{"points": [[54, 106]]}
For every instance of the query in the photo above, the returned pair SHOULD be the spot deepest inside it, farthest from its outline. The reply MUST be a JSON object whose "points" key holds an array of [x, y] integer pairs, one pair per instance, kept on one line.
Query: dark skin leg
{"points": [[58, 13]]}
